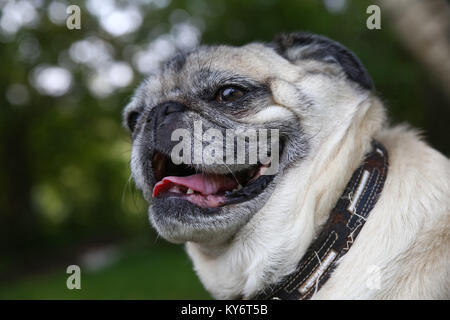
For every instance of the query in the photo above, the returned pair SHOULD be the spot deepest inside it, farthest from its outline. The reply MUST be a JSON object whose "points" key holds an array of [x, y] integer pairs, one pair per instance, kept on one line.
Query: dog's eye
{"points": [[229, 94], [132, 120]]}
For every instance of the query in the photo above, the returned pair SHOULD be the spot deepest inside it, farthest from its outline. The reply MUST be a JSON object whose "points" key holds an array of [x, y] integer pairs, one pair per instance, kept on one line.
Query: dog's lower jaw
{"points": [[275, 239], [266, 249]]}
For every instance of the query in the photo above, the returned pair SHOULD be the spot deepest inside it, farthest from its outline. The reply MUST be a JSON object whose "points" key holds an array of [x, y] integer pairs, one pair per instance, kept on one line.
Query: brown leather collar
{"points": [[339, 232]]}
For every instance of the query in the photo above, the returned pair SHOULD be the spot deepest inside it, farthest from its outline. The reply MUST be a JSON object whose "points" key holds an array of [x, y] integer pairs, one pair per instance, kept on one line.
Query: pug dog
{"points": [[246, 230]]}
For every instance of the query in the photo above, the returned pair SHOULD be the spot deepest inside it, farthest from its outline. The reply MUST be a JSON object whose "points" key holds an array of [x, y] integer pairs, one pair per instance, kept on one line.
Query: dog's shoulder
{"points": [[403, 250], [418, 180], [418, 191], [419, 171]]}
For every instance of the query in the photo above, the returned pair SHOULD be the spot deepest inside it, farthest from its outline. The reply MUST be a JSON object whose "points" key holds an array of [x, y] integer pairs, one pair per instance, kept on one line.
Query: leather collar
{"points": [[339, 232]]}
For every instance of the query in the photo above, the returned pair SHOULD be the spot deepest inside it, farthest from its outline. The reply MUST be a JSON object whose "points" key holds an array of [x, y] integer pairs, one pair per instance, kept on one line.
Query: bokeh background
{"points": [[65, 193]]}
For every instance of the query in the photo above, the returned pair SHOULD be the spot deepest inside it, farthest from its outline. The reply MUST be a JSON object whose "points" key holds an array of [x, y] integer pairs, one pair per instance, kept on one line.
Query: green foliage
{"points": [[153, 273]]}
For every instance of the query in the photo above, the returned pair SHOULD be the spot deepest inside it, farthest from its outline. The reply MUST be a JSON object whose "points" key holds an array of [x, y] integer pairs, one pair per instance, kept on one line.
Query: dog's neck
{"points": [[271, 244]]}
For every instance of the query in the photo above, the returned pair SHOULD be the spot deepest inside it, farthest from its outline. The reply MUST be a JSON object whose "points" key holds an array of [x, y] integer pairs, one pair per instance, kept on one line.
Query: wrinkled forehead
{"points": [[211, 66], [255, 61]]}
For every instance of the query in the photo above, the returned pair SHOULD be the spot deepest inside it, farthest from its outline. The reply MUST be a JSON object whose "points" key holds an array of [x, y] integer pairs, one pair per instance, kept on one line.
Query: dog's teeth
{"points": [[239, 187], [189, 191], [262, 170]]}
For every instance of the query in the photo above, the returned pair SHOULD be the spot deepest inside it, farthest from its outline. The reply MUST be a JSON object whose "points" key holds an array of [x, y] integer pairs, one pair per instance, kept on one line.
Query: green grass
{"points": [[162, 273]]}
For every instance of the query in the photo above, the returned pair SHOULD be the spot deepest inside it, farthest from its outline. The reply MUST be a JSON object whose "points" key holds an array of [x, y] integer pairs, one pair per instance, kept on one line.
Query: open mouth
{"points": [[204, 189]]}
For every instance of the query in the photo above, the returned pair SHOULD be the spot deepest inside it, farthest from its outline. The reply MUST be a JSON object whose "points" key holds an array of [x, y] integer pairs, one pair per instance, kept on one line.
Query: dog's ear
{"points": [[302, 45]]}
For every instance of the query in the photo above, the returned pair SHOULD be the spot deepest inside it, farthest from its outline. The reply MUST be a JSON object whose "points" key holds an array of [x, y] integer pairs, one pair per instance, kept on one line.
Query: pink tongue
{"points": [[206, 184]]}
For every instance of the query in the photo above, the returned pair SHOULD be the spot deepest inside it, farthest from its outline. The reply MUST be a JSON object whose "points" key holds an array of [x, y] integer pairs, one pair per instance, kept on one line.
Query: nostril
{"points": [[165, 111], [172, 107]]}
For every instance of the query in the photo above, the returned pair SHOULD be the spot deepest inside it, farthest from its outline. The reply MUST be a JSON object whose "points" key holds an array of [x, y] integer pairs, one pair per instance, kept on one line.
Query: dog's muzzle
{"points": [[198, 184]]}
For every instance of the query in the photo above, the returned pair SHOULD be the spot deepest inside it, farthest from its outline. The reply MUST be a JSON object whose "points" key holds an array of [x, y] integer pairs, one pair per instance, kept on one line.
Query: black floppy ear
{"points": [[303, 45]]}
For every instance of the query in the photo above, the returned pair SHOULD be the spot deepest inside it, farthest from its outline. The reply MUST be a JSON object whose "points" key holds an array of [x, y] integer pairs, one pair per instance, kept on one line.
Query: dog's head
{"points": [[217, 129]]}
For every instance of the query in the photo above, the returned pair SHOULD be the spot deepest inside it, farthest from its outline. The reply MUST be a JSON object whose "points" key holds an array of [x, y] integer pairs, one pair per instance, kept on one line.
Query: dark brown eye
{"points": [[229, 94], [132, 120]]}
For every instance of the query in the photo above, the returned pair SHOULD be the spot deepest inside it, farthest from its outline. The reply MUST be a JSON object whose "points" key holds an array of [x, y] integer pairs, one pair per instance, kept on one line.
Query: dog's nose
{"points": [[165, 118], [166, 109]]}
